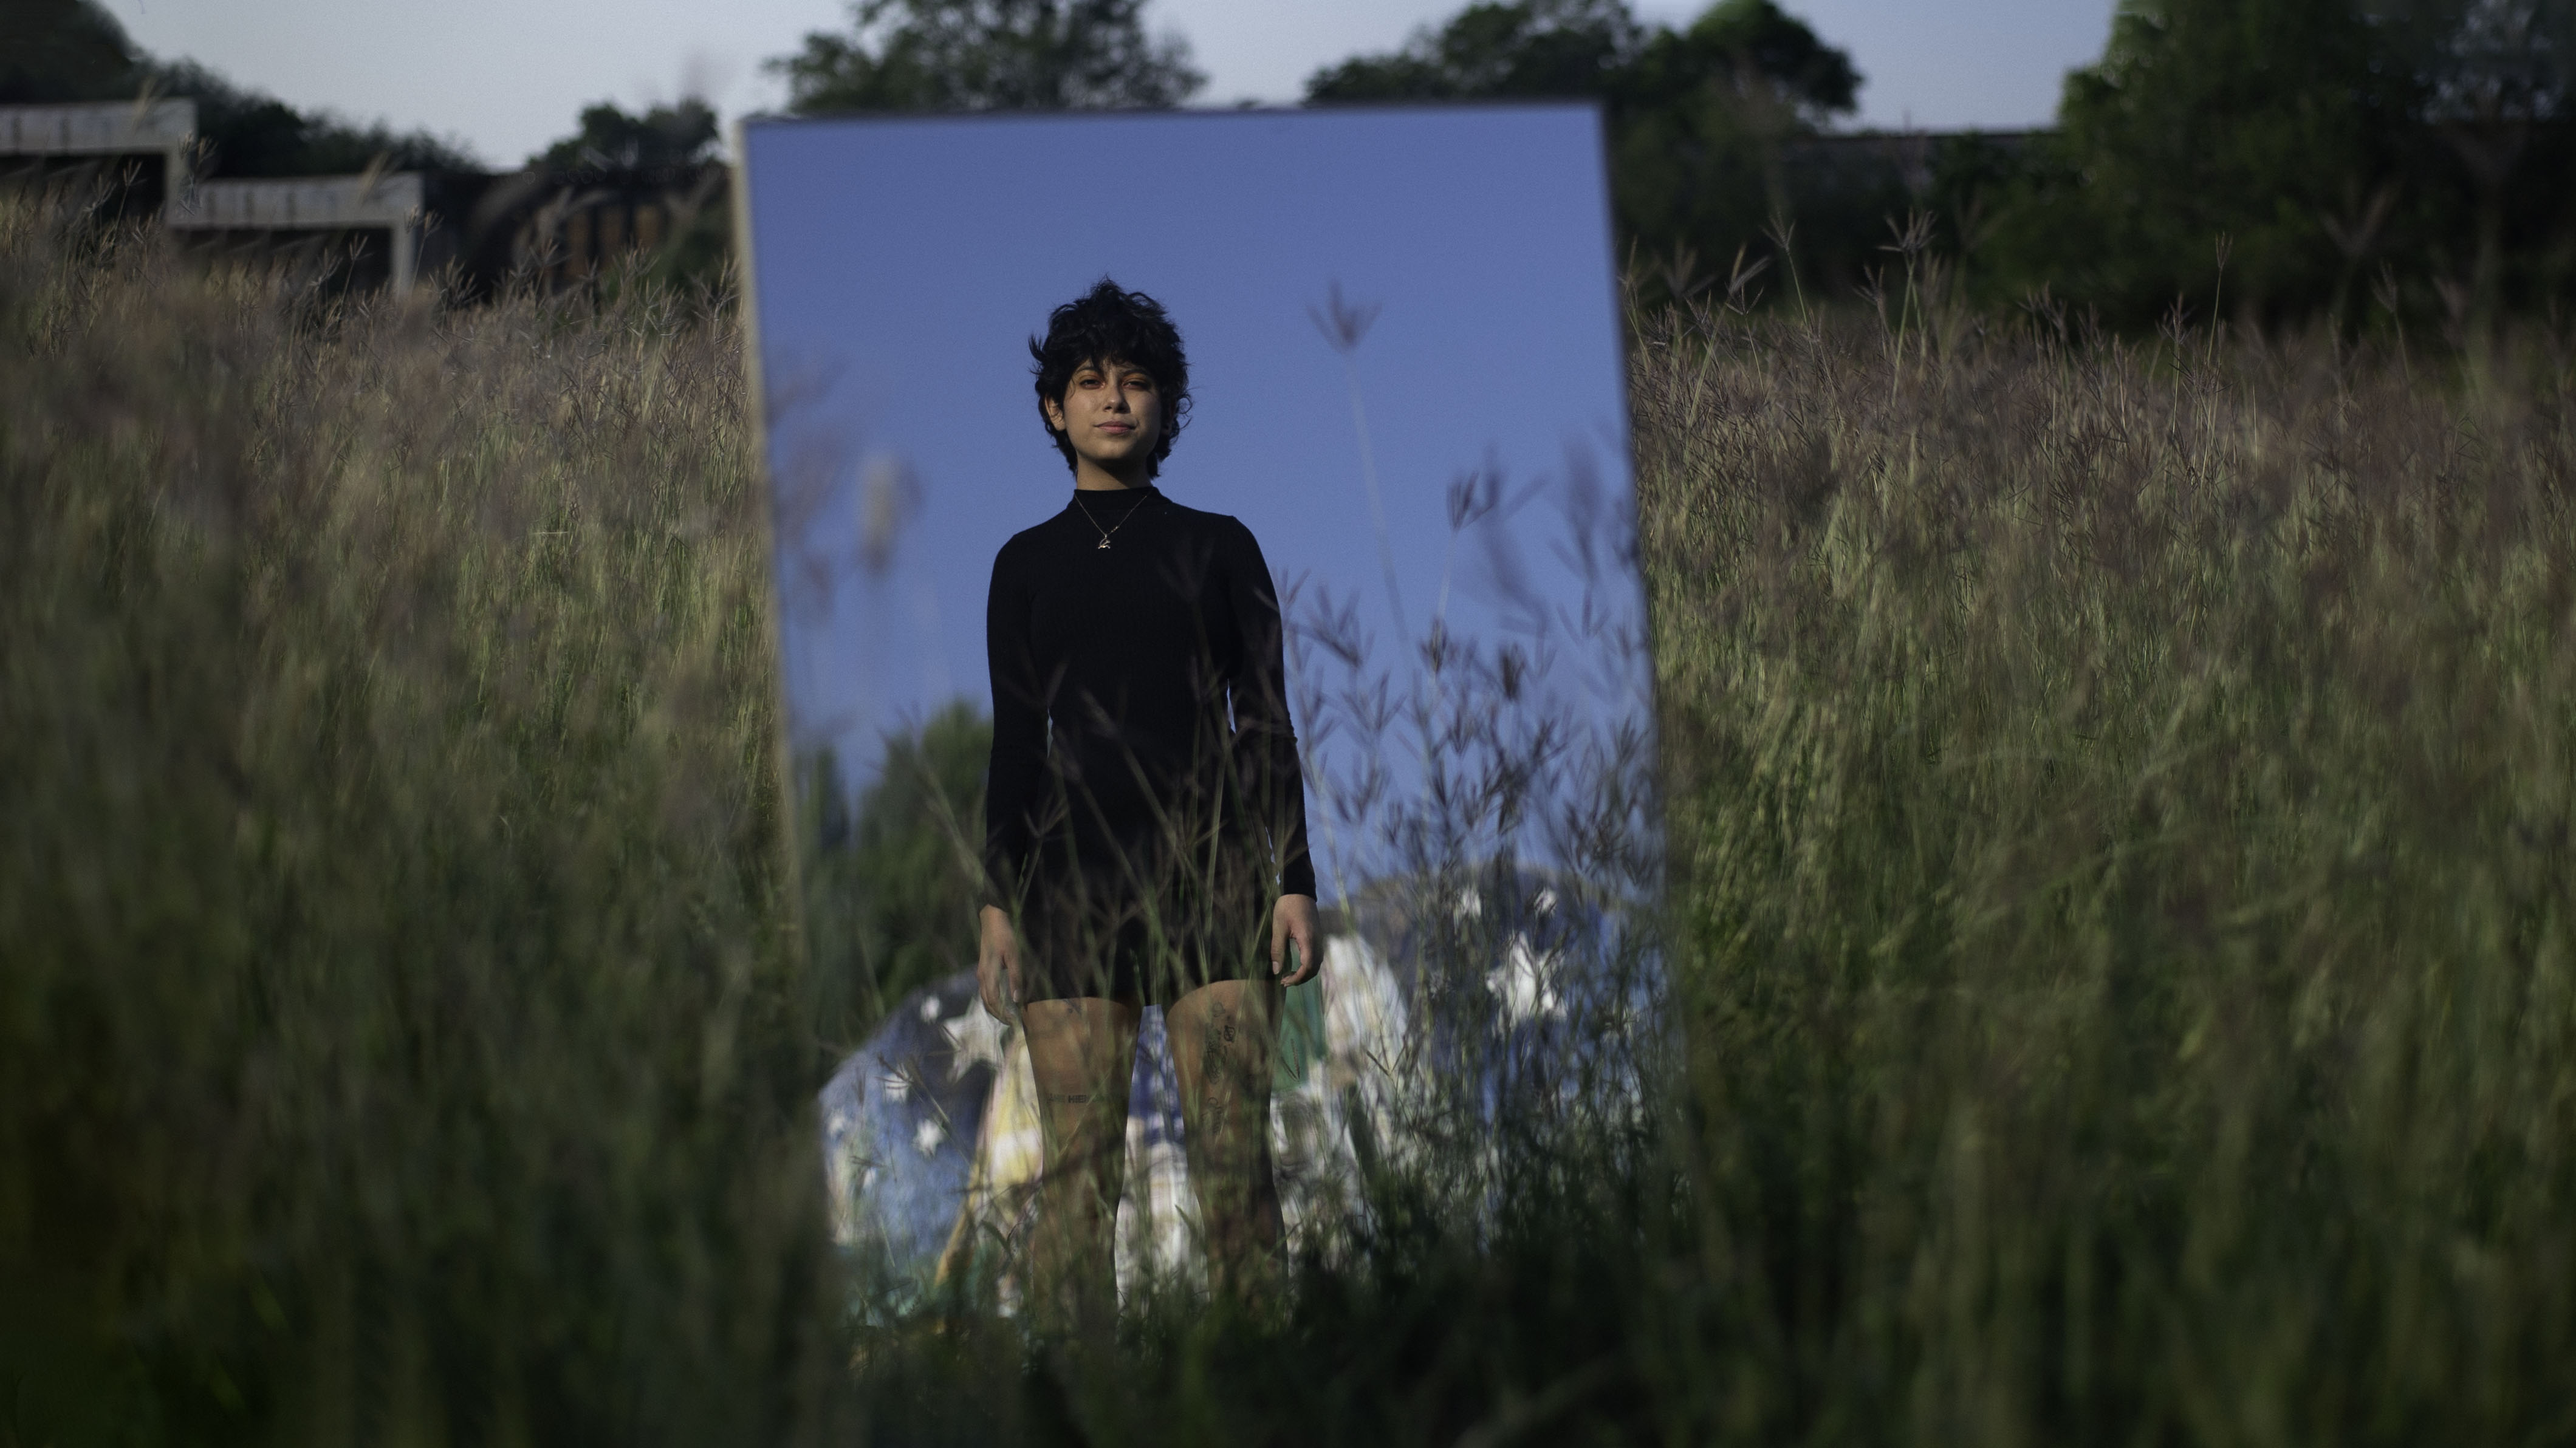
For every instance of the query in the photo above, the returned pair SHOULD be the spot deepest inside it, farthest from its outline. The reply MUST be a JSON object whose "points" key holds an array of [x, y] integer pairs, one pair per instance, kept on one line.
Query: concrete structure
{"points": [[390, 203], [555, 229], [382, 215], [54, 140]]}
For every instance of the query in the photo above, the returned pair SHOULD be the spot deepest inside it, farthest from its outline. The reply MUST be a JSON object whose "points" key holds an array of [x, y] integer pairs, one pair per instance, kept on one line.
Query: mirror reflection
{"points": [[1215, 663]]}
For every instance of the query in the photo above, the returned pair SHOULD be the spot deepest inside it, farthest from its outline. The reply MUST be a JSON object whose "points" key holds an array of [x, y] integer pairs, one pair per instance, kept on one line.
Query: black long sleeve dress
{"points": [[1144, 803]]}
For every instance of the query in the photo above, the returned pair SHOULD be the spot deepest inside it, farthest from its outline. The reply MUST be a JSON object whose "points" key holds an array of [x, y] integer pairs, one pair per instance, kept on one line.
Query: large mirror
{"points": [[1404, 374]]}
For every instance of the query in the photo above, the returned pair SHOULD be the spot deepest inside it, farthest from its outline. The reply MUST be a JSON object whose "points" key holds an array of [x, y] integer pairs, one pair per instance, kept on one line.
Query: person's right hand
{"points": [[997, 965]]}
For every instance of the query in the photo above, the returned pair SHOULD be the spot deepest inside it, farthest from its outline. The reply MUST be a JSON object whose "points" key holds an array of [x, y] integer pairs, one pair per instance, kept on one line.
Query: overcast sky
{"points": [[508, 76]]}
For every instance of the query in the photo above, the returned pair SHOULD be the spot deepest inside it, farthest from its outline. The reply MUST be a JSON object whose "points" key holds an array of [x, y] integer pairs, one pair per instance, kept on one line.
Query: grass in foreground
{"points": [[2124, 799], [399, 1035], [2120, 795]]}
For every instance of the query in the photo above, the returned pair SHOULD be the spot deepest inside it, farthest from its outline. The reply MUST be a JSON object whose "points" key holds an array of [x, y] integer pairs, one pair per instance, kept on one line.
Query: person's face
{"points": [[1112, 414]]}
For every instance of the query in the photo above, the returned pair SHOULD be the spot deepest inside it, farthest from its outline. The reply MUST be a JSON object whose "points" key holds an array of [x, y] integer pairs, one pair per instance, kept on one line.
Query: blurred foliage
{"points": [[698, 259], [1699, 117], [2388, 164], [1505, 48], [665, 158], [2324, 155], [74, 50], [611, 139], [989, 55], [2121, 820], [402, 1034], [891, 889], [1704, 158], [1520, 48], [63, 50], [2382, 162], [247, 133]]}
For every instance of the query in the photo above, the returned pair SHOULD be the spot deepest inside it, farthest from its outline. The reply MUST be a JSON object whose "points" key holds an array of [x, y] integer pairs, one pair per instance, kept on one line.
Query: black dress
{"points": [[1144, 804]]}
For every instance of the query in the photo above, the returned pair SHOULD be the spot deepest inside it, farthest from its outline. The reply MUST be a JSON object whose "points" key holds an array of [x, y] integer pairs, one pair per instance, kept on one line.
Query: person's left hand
{"points": [[1294, 920]]}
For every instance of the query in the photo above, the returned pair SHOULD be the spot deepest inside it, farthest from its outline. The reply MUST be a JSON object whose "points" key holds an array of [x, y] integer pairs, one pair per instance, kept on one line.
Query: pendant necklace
{"points": [[1095, 522]]}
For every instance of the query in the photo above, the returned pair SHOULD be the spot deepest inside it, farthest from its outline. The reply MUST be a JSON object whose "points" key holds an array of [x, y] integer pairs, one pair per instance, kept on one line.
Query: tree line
{"points": [[62, 51], [2304, 158], [2376, 162], [2282, 160]]}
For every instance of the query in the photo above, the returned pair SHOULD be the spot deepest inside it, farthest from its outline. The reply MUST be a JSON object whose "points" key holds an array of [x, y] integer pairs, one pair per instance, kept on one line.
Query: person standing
{"points": [[1145, 819]]}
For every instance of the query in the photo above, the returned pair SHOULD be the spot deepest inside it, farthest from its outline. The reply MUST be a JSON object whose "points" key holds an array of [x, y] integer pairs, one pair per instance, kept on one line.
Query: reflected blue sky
{"points": [[900, 266]]}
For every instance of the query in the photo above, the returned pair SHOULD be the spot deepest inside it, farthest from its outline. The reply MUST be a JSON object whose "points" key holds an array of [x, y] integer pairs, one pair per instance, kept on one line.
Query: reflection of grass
{"points": [[2123, 801]]}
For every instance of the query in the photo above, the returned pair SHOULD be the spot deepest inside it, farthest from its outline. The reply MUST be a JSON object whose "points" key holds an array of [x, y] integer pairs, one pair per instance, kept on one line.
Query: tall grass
{"points": [[398, 1036], [2123, 795], [2119, 805]]}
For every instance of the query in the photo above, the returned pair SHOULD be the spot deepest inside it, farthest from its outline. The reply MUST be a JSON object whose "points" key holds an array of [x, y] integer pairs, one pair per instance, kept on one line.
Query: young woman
{"points": [[1145, 823]]}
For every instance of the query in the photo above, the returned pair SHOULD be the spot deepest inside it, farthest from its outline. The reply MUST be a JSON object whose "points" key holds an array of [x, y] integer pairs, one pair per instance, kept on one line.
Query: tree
{"points": [[1756, 53], [251, 133], [893, 891], [2312, 143], [612, 140], [73, 50], [2253, 120], [1698, 116], [989, 55], [1749, 50], [64, 50], [2496, 75], [1517, 48], [1705, 118]]}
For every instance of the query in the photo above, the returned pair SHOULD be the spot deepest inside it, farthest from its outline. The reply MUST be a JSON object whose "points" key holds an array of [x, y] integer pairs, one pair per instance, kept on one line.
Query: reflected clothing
{"points": [[1144, 804]]}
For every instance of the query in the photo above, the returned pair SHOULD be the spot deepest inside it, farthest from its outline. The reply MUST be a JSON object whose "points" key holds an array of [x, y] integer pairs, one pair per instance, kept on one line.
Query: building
{"points": [[370, 224], [141, 155], [138, 152], [475, 231]]}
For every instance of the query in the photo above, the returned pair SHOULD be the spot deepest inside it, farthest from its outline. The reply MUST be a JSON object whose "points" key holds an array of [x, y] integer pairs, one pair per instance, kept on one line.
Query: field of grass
{"points": [[400, 1033], [2119, 802], [2123, 797]]}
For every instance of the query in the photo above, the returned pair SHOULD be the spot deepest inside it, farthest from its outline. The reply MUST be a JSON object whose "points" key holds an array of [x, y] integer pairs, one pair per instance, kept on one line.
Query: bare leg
{"points": [[1222, 1038], [1082, 1054]]}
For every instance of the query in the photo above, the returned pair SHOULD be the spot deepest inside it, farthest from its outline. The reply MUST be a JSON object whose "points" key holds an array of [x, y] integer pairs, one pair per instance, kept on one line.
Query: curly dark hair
{"points": [[1108, 325]]}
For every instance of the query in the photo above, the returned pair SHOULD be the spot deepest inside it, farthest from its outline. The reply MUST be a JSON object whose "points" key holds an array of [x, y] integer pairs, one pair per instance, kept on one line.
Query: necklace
{"points": [[1095, 522]]}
